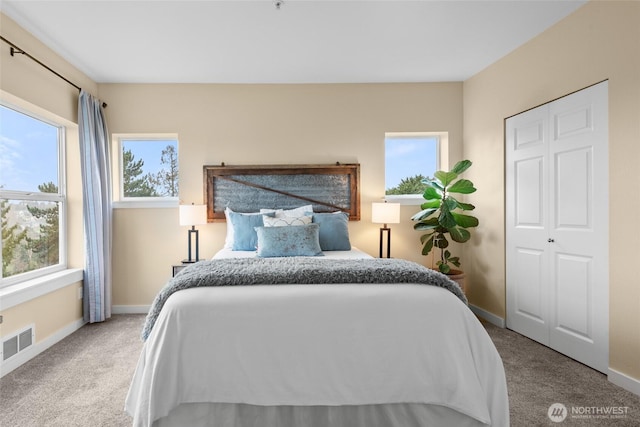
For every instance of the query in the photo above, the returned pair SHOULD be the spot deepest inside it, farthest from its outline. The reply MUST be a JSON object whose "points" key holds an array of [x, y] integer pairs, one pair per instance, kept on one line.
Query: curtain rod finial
{"points": [[14, 50]]}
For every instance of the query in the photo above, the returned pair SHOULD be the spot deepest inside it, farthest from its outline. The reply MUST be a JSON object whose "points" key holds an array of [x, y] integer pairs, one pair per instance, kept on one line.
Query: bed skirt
{"points": [[383, 415]]}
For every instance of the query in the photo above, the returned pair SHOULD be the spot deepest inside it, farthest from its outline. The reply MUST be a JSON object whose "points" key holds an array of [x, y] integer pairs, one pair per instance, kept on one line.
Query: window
{"points": [[409, 158], [147, 170], [32, 196]]}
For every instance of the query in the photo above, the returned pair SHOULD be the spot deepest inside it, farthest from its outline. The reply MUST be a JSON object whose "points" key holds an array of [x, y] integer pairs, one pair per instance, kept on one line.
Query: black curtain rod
{"points": [[15, 49]]}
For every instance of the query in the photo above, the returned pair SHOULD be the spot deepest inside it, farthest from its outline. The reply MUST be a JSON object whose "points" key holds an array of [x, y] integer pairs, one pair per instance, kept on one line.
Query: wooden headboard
{"points": [[329, 188]]}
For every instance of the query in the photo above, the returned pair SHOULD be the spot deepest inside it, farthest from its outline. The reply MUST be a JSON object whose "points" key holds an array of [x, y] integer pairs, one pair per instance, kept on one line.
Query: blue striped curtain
{"points": [[96, 191]]}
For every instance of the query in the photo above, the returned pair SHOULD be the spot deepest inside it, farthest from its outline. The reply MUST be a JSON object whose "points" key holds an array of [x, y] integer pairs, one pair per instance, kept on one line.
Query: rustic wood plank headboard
{"points": [[329, 188]]}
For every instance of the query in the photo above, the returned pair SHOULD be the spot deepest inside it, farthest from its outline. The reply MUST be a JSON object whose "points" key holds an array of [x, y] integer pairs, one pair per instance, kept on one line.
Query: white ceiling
{"points": [[207, 41]]}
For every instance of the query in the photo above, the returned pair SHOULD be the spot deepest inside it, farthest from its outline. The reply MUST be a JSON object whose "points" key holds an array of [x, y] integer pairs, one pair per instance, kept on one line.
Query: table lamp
{"points": [[193, 215], [385, 213]]}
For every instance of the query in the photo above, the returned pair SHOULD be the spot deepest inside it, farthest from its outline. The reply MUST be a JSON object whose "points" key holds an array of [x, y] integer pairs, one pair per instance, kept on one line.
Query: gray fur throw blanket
{"points": [[296, 270]]}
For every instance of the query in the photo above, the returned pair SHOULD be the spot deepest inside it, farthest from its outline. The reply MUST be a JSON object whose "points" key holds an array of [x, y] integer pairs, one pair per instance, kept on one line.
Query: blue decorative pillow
{"points": [[228, 243], [291, 240], [244, 233], [334, 231]]}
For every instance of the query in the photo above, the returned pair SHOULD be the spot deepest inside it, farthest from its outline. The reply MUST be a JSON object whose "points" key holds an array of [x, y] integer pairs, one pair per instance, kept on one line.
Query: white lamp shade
{"points": [[385, 213], [193, 214]]}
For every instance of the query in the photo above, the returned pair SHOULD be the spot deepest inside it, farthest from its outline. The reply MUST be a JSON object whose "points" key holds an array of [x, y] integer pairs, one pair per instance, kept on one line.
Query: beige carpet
{"points": [[538, 377], [83, 380]]}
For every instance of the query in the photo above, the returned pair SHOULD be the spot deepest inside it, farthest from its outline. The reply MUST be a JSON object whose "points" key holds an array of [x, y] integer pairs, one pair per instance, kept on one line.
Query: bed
{"points": [[321, 335]]}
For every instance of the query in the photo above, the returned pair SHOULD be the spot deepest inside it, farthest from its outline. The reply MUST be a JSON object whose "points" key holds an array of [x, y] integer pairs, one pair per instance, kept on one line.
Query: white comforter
{"points": [[319, 345]]}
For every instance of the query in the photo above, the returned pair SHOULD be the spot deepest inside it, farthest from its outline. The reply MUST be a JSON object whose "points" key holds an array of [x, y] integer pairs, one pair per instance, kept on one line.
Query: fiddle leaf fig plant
{"points": [[441, 214]]}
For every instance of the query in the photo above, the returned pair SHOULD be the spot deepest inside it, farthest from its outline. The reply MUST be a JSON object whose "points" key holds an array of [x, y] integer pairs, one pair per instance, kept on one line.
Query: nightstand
{"points": [[176, 268]]}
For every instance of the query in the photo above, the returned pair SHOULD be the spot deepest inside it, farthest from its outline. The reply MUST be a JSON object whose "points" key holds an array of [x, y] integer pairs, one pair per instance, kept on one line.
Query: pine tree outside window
{"points": [[147, 170], [32, 196]]}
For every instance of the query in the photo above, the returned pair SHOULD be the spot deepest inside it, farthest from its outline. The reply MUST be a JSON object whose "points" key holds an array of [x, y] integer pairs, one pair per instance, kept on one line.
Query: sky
{"points": [[28, 151], [406, 157]]}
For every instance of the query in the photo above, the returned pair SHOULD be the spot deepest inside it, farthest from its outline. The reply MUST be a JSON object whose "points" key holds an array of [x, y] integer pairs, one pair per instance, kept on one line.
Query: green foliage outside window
{"points": [[12, 238], [166, 180], [164, 183], [135, 183], [33, 242], [45, 248], [411, 185]]}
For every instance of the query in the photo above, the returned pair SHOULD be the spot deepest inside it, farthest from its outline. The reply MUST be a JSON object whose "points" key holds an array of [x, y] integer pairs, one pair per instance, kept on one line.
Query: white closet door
{"points": [[527, 224], [579, 261], [557, 258]]}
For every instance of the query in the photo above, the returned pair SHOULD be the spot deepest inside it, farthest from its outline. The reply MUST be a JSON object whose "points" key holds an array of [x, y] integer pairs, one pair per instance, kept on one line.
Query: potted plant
{"points": [[441, 215]]}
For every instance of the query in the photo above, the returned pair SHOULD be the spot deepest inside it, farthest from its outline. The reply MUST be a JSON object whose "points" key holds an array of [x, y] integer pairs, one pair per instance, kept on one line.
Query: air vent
{"points": [[25, 339], [17, 343], [10, 348]]}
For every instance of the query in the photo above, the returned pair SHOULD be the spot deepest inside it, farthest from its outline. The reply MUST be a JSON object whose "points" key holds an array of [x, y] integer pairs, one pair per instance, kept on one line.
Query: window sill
{"points": [[137, 204], [414, 200], [20, 293]]}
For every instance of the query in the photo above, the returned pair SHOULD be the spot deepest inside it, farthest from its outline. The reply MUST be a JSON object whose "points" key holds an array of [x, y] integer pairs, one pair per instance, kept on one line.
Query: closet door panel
{"points": [[579, 222], [527, 222], [574, 298], [530, 193], [574, 189]]}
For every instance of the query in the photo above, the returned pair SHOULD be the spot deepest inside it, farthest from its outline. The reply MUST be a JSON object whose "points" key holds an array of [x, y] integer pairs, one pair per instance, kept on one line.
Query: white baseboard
{"points": [[130, 309], [488, 316], [29, 353], [626, 382]]}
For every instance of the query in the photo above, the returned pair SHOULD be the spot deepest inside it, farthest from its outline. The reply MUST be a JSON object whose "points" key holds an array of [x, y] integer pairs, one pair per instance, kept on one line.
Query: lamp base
{"points": [[387, 230], [190, 259]]}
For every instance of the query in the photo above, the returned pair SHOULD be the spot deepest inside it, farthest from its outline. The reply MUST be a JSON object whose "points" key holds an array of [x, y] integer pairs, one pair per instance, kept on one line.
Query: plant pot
{"points": [[458, 277]]}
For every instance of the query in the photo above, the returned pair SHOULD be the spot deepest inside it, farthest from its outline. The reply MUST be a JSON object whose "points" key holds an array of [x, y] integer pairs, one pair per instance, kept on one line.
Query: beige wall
{"points": [[25, 84], [49, 313], [31, 82], [599, 41], [265, 124]]}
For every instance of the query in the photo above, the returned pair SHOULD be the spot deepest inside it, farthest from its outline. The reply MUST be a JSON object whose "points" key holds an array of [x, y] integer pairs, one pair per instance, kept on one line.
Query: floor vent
{"points": [[17, 343]]}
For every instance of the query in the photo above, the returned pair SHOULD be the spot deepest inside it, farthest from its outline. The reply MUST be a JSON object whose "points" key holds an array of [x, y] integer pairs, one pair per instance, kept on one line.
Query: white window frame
{"points": [[120, 201], [442, 156], [59, 197]]}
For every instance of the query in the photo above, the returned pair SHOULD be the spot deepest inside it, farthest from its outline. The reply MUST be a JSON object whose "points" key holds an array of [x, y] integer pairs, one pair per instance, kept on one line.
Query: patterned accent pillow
{"points": [[292, 240], [283, 221]]}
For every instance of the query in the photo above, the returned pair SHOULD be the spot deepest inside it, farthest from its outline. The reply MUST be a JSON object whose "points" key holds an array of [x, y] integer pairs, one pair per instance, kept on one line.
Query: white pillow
{"points": [[283, 221], [300, 211]]}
